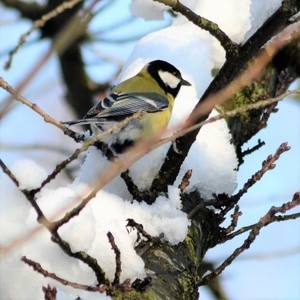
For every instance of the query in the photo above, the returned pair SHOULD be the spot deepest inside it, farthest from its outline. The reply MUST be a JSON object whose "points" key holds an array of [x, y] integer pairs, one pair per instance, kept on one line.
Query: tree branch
{"points": [[222, 88], [38, 268], [264, 221], [117, 251], [229, 46], [250, 227], [267, 165], [39, 111]]}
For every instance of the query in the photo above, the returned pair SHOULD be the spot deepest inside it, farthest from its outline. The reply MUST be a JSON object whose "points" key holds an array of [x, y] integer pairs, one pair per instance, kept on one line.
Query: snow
{"points": [[29, 174], [260, 12], [14, 210], [232, 16], [213, 161], [212, 158]]}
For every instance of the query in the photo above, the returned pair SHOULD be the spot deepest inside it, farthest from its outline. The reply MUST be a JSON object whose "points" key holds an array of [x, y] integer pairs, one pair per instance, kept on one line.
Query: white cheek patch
{"points": [[169, 79]]}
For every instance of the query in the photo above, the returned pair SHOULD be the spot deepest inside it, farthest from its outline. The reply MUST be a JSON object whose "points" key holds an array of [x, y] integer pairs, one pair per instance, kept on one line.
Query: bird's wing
{"points": [[128, 104]]}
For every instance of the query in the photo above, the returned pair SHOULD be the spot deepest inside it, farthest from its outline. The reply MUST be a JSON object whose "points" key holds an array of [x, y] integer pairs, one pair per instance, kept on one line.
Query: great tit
{"points": [[151, 91]]}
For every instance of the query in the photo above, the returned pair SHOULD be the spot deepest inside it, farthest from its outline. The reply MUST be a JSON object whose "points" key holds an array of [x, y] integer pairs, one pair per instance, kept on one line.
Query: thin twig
{"points": [[139, 227], [122, 165], [7, 171], [38, 110], [255, 148], [264, 221], [185, 182], [30, 197], [234, 219], [117, 258], [230, 113], [267, 165], [58, 169], [38, 24], [249, 227], [38, 268]]}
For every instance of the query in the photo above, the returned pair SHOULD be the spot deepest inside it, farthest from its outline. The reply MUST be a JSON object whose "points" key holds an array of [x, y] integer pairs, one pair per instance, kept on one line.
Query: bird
{"points": [[152, 91]]}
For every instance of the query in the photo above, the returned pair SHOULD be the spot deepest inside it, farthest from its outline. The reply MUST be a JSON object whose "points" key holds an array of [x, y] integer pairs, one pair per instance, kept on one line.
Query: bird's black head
{"points": [[168, 77]]}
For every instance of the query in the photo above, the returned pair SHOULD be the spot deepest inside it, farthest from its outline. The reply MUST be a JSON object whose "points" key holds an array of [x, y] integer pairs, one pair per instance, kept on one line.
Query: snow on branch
{"points": [[229, 46]]}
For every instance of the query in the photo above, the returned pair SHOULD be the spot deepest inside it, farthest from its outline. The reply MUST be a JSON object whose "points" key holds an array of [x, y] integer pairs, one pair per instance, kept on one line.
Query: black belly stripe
{"points": [[119, 148]]}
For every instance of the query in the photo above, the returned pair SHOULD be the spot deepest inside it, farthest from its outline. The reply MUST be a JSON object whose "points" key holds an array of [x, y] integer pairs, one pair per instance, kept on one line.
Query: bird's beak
{"points": [[185, 82]]}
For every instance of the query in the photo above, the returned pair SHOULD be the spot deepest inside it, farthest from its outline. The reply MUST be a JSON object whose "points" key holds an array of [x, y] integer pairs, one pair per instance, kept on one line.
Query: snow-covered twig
{"points": [[229, 46]]}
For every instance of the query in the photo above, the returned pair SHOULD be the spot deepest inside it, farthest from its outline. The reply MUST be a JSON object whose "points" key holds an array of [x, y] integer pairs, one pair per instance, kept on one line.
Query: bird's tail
{"points": [[70, 123], [90, 121]]}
